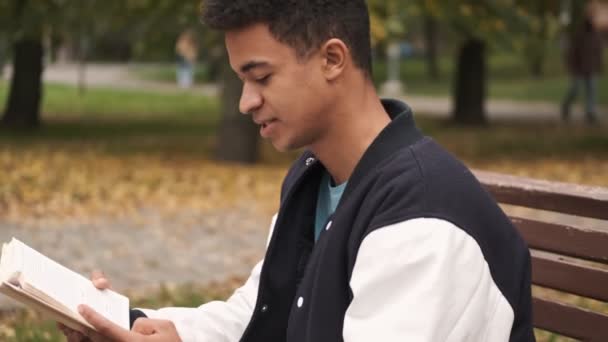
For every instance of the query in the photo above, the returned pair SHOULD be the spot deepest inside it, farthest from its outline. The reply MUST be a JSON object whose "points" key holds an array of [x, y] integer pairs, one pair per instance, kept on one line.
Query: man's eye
{"points": [[263, 80]]}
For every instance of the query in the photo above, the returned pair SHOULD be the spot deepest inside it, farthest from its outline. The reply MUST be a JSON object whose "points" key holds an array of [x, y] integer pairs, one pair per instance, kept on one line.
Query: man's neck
{"points": [[354, 126]]}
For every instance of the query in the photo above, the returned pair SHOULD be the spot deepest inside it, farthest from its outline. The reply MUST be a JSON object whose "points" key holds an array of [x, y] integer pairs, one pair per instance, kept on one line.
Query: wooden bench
{"points": [[570, 258]]}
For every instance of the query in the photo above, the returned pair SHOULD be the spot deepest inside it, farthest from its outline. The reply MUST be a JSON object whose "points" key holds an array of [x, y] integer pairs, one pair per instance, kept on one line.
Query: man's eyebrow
{"points": [[252, 65]]}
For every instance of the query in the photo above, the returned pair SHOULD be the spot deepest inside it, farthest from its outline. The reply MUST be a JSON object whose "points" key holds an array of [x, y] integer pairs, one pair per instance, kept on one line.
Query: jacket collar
{"points": [[400, 133]]}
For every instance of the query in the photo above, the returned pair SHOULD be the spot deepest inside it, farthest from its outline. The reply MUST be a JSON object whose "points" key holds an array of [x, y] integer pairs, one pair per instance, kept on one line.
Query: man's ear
{"points": [[335, 54]]}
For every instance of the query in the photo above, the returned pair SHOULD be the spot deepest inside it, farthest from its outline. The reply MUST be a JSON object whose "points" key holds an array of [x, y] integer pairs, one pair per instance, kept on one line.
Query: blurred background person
{"points": [[584, 63], [186, 49]]}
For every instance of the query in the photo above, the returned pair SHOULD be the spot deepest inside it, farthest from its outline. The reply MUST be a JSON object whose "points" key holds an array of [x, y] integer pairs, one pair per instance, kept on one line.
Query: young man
{"points": [[381, 234]]}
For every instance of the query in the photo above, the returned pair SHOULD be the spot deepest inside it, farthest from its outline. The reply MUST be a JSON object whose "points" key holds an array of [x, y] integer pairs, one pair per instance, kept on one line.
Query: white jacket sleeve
{"points": [[424, 280], [218, 321]]}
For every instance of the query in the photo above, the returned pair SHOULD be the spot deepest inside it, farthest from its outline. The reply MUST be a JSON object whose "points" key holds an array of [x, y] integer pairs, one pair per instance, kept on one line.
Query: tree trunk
{"points": [[3, 49], [238, 136], [537, 44], [470, 83], [23, 107], [537, 66], [82, 64], [430, 39]]}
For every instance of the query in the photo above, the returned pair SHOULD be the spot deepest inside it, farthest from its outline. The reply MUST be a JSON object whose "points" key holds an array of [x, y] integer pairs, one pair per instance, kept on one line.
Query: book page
{"points": [[57, 313], [67, 287]]}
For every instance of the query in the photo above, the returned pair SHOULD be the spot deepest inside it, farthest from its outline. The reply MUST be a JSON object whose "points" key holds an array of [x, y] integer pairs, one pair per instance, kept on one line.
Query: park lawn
{"points": [[166, 73], [29, 326], [93, 157], [108, 102], [160, 158], [508, 78], [118, 118]]}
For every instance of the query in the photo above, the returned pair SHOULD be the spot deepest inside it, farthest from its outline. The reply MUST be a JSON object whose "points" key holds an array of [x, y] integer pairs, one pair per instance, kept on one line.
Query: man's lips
{"points": [[265, 122], [267, 127]]}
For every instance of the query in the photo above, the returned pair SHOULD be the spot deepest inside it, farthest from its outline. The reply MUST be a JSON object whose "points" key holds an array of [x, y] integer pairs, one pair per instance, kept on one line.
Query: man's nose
{"points": [[250, 100]]}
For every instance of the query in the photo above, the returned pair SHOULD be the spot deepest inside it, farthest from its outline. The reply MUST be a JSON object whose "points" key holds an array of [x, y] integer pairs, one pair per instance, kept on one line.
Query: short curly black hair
{"points": [[302, 24]]}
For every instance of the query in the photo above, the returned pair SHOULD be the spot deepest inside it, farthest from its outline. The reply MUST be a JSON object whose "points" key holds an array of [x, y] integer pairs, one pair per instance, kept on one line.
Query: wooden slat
{"points": [[570, 321], [566, 198], [558, 273], [585, 243]]}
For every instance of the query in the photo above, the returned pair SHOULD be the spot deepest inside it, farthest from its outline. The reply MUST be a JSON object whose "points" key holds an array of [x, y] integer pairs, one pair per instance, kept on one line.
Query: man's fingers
{"points": [[76, 336], [70, 334], [156, 330], [147, 326], [99, 280], [144, 326], [104, 326]]}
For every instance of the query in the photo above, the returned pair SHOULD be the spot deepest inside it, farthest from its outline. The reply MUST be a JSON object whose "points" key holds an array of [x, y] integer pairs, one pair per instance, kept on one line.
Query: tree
{"points": [[3, 36], [431, 48], [470, 82], [23, 105], [27, 21], [237, 139], [543, 26], [477, 23]]}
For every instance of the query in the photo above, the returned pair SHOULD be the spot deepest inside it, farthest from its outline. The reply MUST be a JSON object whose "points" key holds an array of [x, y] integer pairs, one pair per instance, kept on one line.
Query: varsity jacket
{"points": [[416, 250]]}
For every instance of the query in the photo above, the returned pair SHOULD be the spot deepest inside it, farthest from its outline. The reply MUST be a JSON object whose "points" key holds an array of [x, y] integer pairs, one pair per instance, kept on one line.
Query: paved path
{"points": [[501, 110], [122, 76], [143, 252]]}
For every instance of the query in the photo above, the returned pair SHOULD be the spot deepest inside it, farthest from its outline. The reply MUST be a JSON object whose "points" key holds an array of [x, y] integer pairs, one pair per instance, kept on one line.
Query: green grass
{"points": [[519, 141], [508, 78], [28, 326], [120, 121], [124, 121], [67, 101], [166, 73]]}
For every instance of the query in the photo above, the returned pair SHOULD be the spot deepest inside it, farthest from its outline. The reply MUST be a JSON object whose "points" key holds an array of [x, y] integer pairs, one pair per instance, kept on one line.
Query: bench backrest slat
{"points": [[555, 272], [565, 257], [570, 321], [585, 243], [566, 198]]}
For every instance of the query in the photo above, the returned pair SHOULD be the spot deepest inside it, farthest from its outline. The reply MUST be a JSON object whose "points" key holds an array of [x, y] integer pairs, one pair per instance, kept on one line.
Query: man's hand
{"points": [[100, 281], [144, 329]]}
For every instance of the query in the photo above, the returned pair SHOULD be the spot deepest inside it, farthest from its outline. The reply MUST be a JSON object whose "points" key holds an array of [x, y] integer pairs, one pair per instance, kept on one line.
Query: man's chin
{"points": [[284, 147], [281, 148]]}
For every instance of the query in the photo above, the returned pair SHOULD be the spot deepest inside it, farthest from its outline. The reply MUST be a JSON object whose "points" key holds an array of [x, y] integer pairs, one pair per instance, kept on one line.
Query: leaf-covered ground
{"points": [[102, 172], [41, 182], [89, 162]]}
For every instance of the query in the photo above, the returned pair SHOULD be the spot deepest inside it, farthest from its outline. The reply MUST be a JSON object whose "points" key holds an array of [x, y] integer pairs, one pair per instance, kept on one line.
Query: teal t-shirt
{"points": [[327, 201]]}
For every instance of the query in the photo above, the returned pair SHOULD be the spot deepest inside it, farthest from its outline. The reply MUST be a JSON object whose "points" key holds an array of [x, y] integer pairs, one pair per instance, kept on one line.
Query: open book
{"points": [[54, 290]]}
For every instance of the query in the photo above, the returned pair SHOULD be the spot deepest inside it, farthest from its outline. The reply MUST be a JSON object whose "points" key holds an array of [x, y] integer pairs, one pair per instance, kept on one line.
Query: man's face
{"points": [[285, 96]]}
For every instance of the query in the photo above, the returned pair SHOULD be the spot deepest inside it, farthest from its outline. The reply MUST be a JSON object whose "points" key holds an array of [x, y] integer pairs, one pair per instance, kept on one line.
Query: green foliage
{"points": [[495, 20], [151, 26]]}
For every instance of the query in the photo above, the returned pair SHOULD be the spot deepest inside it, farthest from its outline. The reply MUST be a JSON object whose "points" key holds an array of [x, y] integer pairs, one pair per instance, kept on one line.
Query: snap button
{"points": [[309, 161], [264, 308], [328, 225], [300, 302]]}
